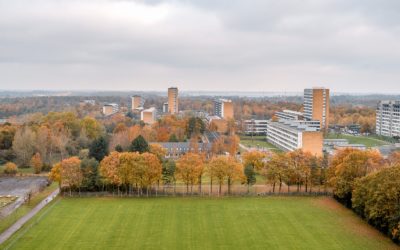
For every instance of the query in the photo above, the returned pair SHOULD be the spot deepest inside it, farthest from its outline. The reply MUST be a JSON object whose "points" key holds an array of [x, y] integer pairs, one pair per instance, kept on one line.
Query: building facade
{"points": [[255, 127], [177, 149], [173, 100], [388, 118], [289, 115], [289, 136], [165, 107], [137, 102], [149, 116], [316, 105], [110, 109], [223, 108]]}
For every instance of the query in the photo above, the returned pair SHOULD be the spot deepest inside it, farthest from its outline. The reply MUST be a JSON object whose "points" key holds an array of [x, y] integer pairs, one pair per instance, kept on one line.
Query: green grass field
{"points": [[367, 141], [198, 223], [257, 141]]}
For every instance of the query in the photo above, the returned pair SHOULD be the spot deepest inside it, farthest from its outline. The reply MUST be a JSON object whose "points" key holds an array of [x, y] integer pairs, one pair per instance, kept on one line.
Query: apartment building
{"points": [[289, 115], [173, 100], [223, 108], [316, 105], [110, 109], [388, 118], [290, 135], [255, 127], [137, 102], [149, 116]]}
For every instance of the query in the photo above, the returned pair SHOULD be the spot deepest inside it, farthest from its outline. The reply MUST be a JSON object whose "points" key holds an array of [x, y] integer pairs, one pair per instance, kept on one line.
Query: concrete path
{"points": [[17, 225], [244, 147]]}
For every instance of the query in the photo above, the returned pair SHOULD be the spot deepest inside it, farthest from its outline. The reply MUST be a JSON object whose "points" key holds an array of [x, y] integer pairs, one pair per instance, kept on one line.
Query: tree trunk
{"points": [[273, 187], [229, 186], [211, 186]]}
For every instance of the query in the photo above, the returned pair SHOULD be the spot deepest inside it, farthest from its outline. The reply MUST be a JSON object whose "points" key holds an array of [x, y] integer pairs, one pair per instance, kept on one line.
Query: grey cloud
{"points": [[249, 45]]}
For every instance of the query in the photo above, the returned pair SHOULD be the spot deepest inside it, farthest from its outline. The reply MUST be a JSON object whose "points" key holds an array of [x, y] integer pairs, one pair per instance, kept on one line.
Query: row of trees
{"points": [[370, 185]]}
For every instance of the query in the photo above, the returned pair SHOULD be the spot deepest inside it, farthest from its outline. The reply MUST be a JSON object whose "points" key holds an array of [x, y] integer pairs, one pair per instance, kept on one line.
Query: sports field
{"points": [[198, 223]]}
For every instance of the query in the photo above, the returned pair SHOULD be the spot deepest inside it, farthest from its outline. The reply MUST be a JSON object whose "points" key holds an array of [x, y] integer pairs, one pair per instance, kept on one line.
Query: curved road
{"points": [[17, 225]]}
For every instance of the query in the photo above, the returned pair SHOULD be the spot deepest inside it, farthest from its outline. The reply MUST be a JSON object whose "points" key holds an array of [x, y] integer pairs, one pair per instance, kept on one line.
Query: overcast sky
{"points": [[248, 45]]}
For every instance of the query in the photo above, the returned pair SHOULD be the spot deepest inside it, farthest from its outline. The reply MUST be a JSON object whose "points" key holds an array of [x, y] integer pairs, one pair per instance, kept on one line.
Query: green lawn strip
{"points": [[367, 141], [257, 141], [198, 223], [25, 208]]}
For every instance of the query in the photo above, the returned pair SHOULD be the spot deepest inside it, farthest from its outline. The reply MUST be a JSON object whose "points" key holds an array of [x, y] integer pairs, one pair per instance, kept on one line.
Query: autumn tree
{"points": [[153, 170], [36, 163], [68, 173], [109, 169], [24, 145], [225, 168], [189, 168], [159, 151], [347, 166], [375, 197], [274, 171], [299, 165]]}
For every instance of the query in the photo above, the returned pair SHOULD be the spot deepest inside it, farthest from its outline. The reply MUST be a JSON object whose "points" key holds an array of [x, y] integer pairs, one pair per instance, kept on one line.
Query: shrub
{"points": [[10, 168]]}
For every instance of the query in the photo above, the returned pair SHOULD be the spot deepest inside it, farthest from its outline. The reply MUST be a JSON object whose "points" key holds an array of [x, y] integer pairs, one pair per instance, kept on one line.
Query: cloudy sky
{"points": [[254, 45]]}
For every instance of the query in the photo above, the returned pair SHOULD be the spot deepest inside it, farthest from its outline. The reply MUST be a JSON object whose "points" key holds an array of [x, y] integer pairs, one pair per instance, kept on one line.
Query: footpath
{"points": [[17, 225]]}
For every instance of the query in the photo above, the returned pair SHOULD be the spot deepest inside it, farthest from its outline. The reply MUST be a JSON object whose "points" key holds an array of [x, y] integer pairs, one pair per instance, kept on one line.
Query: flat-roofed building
{"points": [[388, 118], [165, 107], [255, 127], [290, 135], [149, 115], [289, 115], [173, 100], [223, 108], [177, 149], [137, 102], [218, 124], [110, 109], [316, 105]]}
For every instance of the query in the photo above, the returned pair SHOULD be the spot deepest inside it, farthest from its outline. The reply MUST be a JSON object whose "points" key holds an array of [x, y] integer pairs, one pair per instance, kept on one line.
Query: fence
{"points": [[204, 191]]}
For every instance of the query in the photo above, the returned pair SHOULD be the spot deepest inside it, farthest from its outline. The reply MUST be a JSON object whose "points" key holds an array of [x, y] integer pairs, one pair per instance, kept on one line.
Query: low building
{"points": [[289, 135], [218, 124], [335, 142], [289, 115], [88, 102], [353, 146], [149, 116], [255, 127], [110, 109], [177, 149], [165, 107]]}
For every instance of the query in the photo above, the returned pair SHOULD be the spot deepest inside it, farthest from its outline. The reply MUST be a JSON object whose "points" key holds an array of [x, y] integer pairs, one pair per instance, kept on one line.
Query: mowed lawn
{"points": [[198, 223]]}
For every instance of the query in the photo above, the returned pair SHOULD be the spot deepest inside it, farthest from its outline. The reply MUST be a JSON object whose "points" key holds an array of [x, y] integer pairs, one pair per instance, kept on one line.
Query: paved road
{"points": [[17, 225]]}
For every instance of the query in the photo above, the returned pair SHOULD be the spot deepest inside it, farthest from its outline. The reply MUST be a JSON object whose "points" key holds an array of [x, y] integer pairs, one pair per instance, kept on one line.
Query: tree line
{"points": [[370, 185]]}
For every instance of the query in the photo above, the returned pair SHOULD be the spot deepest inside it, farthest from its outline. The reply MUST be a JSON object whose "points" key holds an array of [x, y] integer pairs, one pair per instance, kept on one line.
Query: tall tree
{"points": [[98, 149], [188, 169], [250, 176], [24, 145], [36, 163], [347, 166], [139, 144]]}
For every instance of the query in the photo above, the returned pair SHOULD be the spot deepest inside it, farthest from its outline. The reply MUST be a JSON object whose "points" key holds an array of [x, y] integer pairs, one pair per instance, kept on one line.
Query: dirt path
{"points": [[17, 225]]}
